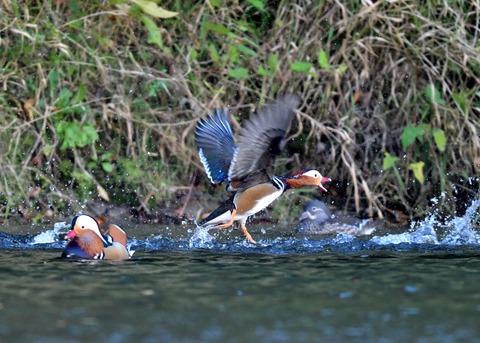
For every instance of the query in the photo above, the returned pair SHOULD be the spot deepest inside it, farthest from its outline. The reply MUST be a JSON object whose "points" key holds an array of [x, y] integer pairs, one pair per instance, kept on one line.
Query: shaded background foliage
{"points": [[100, 100]]}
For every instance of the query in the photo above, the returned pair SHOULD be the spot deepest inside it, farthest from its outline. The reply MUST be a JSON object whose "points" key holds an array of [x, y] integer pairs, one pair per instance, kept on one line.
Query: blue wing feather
{"points": [[216, 146]]}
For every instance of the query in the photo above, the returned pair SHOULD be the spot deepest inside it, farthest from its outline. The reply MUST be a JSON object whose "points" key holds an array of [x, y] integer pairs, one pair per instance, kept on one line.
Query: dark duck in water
{"points": [[317, 219]]}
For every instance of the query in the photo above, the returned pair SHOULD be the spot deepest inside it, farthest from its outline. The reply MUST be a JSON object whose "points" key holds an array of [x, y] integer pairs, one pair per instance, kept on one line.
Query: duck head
{"points": [[83, 227], [316, 210], [306, 178]]}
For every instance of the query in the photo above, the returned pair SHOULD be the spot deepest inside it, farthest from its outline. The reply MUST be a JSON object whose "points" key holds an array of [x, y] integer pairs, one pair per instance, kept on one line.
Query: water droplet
{"points": [[345, 295], [410, 289]]}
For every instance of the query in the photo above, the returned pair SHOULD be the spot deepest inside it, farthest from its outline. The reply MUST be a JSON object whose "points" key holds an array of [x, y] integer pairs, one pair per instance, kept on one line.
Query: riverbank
{"points": [[102, 105]]}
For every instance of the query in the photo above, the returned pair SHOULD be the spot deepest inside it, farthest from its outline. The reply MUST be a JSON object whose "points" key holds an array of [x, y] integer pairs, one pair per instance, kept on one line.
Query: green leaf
{"points": [[272, 66], [433, 94], [80, 95], [70, 132], [107, 166], [244, 26], [73, 135], [323, 59], [154, 36], [302, 67], [440, 139], [258, 4], [461, 101], [426, 128], [108, 156], [151, 8], [409, 134], [238, 73], [83, 180], [104, 41], [53, 80], [417, 169], [156, 87], [246, 50], [213, 52], [132, 171], [63, 98], [90, 134], [273, 62], [389, 161], [66, 167], [217, 28], [342, 68], [264, 72], [233, 54], [47, 149]]}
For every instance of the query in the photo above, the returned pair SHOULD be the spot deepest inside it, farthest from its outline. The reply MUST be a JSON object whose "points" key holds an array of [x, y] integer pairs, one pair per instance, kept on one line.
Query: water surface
{"points": [[195, 286]]}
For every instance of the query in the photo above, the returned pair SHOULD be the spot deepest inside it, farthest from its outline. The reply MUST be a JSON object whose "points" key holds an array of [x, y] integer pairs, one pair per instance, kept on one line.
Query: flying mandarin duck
{"points": [[247, 168]]}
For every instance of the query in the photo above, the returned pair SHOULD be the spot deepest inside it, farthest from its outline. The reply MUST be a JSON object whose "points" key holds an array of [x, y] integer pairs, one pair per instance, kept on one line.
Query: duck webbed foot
{"points": [[247, 234]]}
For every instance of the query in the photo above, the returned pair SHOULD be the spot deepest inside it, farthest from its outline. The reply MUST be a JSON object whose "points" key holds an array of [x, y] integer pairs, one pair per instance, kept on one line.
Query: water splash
{"points": [[461, 230], [342, 238], [423, 232], [429, 234], [50, 236], [456, 231], [202, 239], [365, 228]]}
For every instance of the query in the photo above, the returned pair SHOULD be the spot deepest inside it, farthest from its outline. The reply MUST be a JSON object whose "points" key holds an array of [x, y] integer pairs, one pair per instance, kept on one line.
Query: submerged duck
{"points": [[247, 167], [318, 220], [88, 241]]}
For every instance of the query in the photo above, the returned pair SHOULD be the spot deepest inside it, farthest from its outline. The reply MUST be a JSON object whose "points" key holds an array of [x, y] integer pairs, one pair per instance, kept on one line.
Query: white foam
{"points": [[50, 236]]}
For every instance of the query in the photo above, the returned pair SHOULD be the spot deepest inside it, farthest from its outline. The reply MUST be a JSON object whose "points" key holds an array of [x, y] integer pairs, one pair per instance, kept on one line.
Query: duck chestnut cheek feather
{"points": [[305, 179]]}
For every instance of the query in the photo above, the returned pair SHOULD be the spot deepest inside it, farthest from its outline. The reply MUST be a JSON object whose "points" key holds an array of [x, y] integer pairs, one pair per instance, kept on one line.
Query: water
{"points": [[184, 285]]}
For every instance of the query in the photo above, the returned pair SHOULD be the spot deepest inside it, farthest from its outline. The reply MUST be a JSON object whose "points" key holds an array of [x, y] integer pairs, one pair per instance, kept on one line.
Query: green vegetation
{"points": [[100, 99]]}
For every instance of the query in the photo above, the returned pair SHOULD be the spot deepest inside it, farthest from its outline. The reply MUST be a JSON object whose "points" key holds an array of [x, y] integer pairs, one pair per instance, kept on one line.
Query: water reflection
{"points": [[188, 286], [195, 296]]}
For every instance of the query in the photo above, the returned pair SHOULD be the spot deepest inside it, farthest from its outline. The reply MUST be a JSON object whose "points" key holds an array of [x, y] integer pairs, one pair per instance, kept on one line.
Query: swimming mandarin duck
{"points": [[318, 220], [247, 167], [88, 241]]}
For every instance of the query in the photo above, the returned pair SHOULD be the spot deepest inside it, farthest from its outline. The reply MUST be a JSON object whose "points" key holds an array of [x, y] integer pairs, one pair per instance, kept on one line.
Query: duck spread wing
{"points": [[216, 145], [262, 138]]}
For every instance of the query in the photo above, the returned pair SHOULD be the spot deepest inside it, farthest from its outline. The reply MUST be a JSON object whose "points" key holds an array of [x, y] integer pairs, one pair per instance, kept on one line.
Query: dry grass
{"points": [[363, 69]]}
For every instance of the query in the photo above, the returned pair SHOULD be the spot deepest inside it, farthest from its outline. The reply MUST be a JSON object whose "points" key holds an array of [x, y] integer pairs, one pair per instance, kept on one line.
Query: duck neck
{"points": [[280, 183]]}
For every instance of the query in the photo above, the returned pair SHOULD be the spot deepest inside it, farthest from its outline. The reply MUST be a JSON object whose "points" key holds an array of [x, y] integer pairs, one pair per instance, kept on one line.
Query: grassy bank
{"points": [[99, 100]]}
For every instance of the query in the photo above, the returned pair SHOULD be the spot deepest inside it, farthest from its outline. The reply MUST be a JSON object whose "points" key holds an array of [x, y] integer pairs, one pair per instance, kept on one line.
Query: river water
{"points": [[189, 285]]}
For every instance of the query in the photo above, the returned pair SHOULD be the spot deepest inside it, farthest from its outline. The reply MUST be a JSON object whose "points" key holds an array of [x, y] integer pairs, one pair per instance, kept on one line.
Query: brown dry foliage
{"points": [[144, 100]]}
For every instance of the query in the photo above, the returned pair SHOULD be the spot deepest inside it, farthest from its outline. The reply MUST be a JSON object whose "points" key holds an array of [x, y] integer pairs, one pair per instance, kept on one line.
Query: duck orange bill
{"points": [[324, 179], [71, 234]]}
